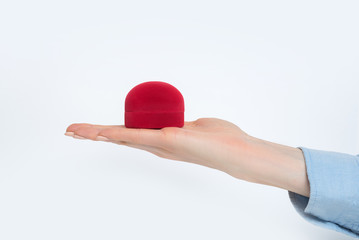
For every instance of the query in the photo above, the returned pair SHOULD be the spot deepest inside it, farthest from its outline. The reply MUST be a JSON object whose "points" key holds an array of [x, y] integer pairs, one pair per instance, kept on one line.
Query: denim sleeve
{"points": [[333, 202]]}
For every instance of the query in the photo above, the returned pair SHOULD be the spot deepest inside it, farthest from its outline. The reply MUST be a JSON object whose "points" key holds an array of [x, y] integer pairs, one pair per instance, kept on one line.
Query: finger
{"points": [[87, 132], [91, 133], [73, 127], [150, 137]]}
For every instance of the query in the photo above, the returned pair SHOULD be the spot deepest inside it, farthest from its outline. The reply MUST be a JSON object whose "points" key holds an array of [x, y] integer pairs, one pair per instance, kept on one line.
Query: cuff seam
{"points": [[312, 184]]}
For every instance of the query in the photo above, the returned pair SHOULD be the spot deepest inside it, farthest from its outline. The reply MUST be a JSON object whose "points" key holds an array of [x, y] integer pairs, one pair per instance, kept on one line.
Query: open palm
{"points": [[210, 142]]}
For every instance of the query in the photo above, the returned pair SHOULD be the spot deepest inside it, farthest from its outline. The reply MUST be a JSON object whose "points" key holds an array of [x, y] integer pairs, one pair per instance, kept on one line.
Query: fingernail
{"points": [[101, 138], [69, 134], [78, 137]]}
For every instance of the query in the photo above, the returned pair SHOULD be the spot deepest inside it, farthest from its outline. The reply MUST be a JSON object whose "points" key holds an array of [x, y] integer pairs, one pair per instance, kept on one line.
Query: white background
{"points": [[283, 71]]}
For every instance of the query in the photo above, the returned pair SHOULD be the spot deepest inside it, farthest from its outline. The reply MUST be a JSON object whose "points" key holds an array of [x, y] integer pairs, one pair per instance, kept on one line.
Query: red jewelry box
{"points": [[154, 104]]}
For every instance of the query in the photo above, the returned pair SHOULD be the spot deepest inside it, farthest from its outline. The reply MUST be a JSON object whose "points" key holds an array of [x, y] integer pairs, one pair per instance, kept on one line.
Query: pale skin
{"points": [[213, 143]]}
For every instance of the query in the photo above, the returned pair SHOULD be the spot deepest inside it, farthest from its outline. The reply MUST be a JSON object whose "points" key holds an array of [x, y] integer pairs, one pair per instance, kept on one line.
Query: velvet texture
{"points": [[154, 104]]}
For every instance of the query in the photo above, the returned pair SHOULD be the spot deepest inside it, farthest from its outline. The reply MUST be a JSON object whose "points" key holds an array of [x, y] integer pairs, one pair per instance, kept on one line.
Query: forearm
{"points": [[272, 164]]}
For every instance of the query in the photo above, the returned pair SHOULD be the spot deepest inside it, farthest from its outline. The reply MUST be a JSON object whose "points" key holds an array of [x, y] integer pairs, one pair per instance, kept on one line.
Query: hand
{"points": [[214, 143]]}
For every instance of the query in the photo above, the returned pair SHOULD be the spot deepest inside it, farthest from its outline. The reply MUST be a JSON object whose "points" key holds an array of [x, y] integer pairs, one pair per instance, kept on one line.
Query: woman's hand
{"points": [[214, 143]]}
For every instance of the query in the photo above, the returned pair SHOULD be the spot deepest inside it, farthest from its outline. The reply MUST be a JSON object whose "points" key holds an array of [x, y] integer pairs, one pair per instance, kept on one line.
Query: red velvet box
{"points": [[154, 104]]}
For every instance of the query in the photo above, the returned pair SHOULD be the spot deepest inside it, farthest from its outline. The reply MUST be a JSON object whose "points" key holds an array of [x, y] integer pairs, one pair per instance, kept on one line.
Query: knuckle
{"points": [[105, 133], [168, 133], [80, 130], [171, 137]]}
